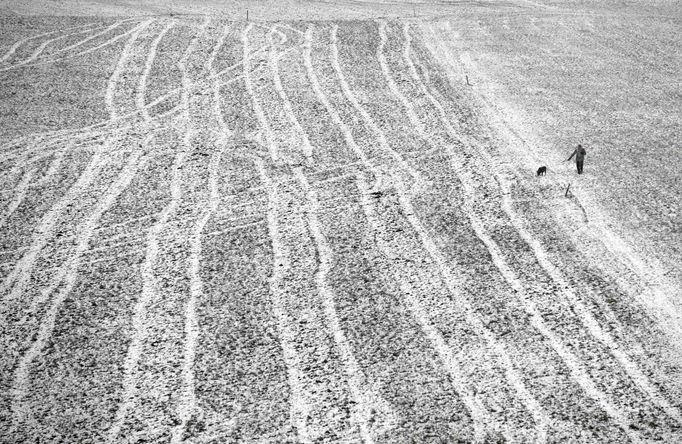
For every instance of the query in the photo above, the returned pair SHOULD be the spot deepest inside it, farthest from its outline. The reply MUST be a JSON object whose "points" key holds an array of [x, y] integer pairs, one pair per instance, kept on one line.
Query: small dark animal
{"points": [[542, 171]]}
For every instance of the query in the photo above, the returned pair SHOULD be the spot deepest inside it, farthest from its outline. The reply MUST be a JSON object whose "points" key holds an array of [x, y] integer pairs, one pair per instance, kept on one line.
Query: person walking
{"points": [[579, 154]]}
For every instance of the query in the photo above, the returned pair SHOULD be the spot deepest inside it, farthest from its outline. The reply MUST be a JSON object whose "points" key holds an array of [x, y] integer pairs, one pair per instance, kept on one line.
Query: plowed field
{"points": [[229, 231]]}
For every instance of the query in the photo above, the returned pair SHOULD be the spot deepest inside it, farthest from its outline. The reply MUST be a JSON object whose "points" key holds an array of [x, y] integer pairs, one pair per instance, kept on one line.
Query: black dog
{"points": [[542, 170]]}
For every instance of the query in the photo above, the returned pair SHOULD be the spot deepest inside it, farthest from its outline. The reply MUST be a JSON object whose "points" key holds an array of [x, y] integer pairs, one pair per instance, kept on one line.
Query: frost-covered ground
{"points": [[315, 231]]}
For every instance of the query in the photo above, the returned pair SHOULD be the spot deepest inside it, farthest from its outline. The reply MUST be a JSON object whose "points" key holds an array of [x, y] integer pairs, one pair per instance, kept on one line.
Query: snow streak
{"points": [[274, 65], [215, 85], [260, 114], [300, 408], [120, 66], [21, 191], [142, 87], [188, 402], [91, 37], [57, 160]]}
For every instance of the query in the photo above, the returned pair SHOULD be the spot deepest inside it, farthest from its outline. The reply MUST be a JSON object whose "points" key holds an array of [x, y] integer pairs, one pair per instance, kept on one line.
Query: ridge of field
{"points": [[309, 231], [295, 10]]}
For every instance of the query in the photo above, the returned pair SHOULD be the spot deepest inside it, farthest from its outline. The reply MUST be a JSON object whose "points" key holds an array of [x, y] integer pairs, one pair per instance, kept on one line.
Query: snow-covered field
{"points": [[215, 230]]}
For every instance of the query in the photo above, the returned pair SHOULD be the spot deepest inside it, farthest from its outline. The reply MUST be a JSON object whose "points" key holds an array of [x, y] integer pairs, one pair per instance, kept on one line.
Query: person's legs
{"points": [[579, 164]]}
